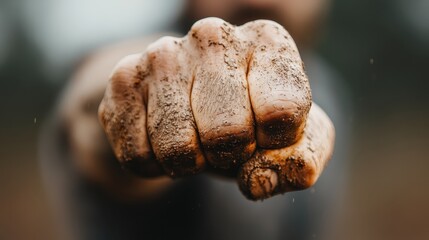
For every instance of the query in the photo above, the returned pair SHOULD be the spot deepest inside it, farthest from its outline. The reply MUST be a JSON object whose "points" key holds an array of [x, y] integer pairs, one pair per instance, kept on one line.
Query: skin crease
{"points": [[213, 98]]}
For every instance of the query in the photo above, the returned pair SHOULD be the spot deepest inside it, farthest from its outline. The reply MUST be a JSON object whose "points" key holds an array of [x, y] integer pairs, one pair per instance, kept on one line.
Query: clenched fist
{"points": [[232, 99]]}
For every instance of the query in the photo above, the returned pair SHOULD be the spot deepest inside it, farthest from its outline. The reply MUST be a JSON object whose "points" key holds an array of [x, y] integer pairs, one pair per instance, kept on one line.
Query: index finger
{"points": [[278, 86]]}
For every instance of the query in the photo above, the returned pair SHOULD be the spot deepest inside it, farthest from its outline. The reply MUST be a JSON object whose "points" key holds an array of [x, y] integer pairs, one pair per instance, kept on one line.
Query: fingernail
{"points": [[263, 181]]}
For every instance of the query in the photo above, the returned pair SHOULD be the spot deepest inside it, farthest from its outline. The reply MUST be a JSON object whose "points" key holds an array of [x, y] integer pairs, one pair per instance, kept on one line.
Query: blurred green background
{"points": [[380, 47]]}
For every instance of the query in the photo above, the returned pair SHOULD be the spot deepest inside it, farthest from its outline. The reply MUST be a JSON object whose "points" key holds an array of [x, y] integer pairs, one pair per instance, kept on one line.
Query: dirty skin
{"points": [[231, 98]]}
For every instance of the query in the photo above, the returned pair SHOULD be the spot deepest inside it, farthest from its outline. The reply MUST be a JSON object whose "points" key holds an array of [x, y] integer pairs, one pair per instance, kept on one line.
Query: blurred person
{"points": [[97, 199]]}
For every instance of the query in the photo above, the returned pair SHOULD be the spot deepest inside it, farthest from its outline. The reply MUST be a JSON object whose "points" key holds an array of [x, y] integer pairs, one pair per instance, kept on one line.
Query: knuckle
{"points": [[125, 67], [163, 45], [163, 51], [270, 32], [211, 32], [208, 24]]}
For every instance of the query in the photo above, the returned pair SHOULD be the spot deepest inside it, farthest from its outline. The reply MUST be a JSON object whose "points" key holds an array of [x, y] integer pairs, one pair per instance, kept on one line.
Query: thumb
{"points": [[273, 171]]}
